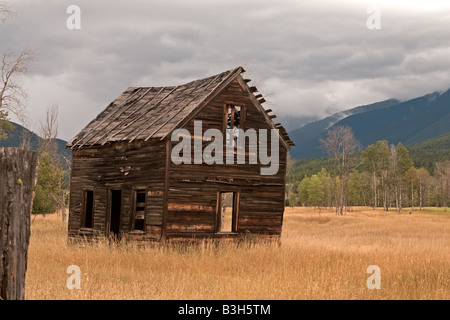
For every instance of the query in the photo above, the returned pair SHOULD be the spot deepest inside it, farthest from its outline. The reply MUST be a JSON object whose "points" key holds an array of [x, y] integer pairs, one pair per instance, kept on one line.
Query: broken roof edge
{"points": [[281, 131], [233, 73], [283, 136]]}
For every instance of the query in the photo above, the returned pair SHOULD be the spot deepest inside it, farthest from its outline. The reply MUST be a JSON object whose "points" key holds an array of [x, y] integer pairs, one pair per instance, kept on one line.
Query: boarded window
{"points": [[139, 210], [88, 209], [227, 211]]}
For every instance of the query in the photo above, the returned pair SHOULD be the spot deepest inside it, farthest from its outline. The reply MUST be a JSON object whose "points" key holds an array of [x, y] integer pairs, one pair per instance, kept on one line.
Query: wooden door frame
{"points": [[110, 189], [83, 207], [235, 210]]}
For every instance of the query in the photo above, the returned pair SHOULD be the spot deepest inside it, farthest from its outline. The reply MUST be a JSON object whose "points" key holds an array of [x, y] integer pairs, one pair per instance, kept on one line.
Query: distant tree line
{"points": [[381, 175]]}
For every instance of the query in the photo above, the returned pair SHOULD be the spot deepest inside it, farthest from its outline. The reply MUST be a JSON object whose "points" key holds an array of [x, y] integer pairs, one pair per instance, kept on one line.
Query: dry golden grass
{"points": [[320, 257]]}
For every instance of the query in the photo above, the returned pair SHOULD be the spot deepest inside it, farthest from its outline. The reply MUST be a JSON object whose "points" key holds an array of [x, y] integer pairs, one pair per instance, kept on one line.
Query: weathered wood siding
{"points": [[193, 188], [125, 166], [185, 206]]}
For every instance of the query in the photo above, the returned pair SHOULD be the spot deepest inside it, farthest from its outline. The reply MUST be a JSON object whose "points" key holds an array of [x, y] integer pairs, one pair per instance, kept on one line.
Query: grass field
{"points": [[320, 257]]}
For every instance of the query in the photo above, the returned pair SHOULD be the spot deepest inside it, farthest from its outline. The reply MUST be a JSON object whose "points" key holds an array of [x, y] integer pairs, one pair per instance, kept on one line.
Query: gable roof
{"points": [[143, 113]]}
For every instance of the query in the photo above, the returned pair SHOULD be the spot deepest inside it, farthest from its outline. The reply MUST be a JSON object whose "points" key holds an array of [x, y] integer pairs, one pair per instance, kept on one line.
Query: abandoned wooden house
{"points": [[125, 183]]}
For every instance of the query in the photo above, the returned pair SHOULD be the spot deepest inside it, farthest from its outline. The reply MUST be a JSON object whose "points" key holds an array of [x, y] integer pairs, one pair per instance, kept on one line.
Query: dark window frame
{"points": [[136, 192], [229, 119]]}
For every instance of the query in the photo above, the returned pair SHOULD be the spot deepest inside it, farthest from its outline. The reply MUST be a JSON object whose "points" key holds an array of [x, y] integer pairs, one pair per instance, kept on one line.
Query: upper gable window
{"points": [[233, 123]]}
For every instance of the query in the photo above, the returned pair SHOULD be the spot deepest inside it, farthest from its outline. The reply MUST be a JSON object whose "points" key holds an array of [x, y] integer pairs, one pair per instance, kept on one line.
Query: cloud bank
{"points": [[311, 57]]}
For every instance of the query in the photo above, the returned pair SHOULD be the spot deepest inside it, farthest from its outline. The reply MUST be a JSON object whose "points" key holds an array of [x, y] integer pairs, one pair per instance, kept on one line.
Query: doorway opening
{"points": [[88, 209], [227, 211], [115, 207]]}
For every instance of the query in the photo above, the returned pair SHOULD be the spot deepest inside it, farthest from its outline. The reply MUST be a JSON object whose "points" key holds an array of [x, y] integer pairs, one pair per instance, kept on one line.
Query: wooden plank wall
{"points": [[193, 188], [124, 166]]}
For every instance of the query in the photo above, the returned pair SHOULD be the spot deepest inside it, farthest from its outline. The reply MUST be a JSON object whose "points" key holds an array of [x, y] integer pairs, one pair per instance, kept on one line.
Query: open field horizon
{"points": [[319, 257]]}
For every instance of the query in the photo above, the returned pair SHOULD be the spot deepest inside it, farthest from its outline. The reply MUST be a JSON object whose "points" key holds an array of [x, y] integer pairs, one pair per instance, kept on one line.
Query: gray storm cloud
{"points": [[313, 57]]}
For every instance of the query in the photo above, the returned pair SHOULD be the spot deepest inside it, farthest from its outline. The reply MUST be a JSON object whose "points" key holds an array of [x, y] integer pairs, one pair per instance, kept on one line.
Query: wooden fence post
{"points": [[17, 171]]}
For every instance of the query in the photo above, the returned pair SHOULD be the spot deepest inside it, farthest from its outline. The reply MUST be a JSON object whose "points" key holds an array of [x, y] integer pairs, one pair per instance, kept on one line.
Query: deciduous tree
{"points": [[400, 163], [411, 181], [423, 179], [341, 145], [376, 159]]}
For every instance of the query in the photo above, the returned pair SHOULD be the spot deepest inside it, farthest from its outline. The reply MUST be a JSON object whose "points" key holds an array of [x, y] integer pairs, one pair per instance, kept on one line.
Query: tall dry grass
{"points": [[320, 257]]}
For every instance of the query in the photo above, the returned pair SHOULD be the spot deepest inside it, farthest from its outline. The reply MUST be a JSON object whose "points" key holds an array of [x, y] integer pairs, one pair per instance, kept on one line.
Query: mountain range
{"points": [[19, 133], [408, 122]]}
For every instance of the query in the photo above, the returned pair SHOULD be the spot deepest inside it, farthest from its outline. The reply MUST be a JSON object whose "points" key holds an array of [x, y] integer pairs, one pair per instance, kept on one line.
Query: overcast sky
{"points": [[312, 57]]}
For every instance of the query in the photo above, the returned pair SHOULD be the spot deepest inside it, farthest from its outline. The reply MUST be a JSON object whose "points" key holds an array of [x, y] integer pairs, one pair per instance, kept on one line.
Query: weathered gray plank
{"points": [[17, 171]]}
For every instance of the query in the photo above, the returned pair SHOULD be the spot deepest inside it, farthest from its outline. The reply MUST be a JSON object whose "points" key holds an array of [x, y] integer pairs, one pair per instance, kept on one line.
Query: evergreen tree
{"points": [[5, 125], [49, 186]]}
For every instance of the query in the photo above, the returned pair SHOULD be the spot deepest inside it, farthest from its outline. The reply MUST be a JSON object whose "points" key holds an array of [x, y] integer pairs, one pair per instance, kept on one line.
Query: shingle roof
{"points": [[143, 113]]}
